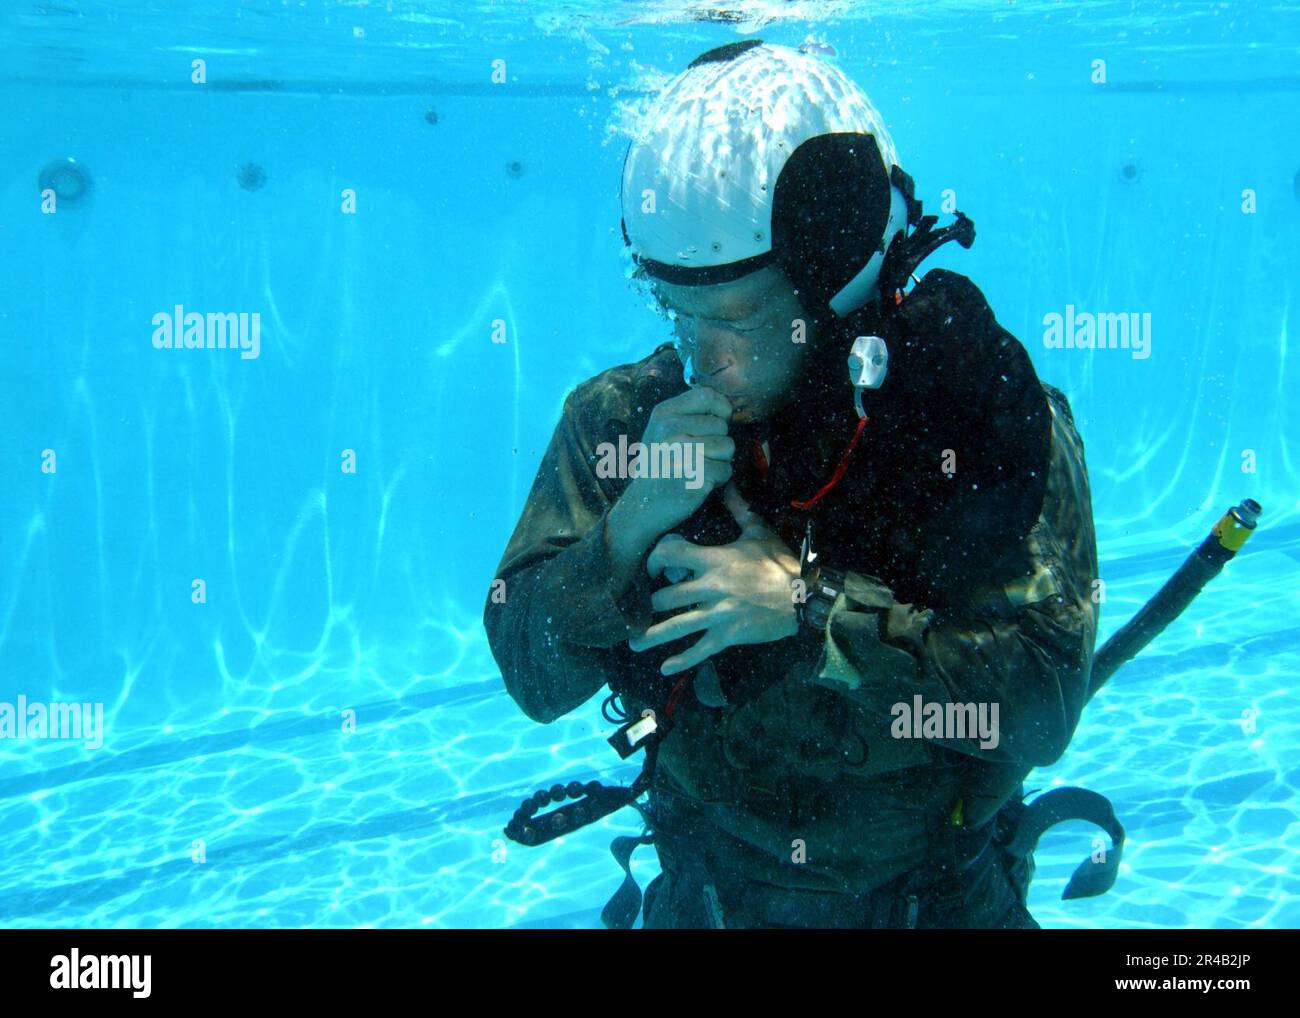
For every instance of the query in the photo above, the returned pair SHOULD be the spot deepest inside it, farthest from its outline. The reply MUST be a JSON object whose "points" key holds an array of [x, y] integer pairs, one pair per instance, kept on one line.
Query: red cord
{"points": [[675, 695], [839, 470]]}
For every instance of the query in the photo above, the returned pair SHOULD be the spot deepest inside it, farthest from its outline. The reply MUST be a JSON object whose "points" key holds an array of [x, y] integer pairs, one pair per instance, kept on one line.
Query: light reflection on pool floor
{"points": [[398, 824]]}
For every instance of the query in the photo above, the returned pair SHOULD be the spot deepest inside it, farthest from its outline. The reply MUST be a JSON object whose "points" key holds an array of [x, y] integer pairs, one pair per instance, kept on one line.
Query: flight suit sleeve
{"points": [[553, 619], [1020, 640]]}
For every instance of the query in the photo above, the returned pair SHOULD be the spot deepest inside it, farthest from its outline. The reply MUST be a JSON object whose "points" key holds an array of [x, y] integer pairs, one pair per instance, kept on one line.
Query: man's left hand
{"points": [[738, 593]]}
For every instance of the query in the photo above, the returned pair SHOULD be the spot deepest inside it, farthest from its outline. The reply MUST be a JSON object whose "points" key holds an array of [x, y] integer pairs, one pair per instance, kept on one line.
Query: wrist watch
{"points": [[822, 586]]}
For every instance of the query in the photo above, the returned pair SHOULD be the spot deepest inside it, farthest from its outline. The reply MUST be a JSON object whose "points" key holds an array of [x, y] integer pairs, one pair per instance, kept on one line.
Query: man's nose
{"points": [[714, 349]]}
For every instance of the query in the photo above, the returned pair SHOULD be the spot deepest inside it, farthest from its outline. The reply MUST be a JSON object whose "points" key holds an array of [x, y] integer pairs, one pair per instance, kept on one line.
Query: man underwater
{"points": [[914, 533]]}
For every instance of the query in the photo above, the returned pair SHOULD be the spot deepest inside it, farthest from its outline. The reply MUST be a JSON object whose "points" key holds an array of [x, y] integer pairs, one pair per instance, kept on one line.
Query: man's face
{"points": [[740, 338]]}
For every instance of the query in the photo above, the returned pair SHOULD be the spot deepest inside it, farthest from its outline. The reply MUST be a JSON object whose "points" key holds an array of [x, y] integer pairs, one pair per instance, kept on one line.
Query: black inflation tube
{"points": [[1204, 564]]}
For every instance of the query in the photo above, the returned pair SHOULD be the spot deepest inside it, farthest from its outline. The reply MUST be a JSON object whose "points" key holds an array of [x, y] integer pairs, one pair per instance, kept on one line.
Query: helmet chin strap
{"points": [[862, 287]]}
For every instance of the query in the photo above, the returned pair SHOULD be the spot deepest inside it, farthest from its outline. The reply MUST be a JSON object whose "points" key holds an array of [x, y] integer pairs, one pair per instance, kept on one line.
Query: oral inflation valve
{"points": [[868, 363]]}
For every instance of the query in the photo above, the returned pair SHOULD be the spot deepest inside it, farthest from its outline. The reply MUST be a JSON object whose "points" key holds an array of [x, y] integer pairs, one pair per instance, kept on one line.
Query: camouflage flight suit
{"points": [[964, 527]]}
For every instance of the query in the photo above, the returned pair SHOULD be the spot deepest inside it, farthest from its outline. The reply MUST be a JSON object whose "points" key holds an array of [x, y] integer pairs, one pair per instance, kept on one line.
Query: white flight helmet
{"points": [[759, 154]]}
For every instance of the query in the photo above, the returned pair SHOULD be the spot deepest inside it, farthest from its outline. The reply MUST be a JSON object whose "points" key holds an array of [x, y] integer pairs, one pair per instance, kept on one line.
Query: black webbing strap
{"points": [[621, 910], [1091, 877]]}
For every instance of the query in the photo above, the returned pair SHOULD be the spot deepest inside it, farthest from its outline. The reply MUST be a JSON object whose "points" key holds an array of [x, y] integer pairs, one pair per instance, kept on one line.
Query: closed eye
{"points": [[681, 321], [734, 326]]}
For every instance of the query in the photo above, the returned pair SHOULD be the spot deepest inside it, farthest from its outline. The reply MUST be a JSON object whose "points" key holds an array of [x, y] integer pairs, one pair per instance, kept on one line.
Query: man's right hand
{"points": [[651, 506], [697, 416]]}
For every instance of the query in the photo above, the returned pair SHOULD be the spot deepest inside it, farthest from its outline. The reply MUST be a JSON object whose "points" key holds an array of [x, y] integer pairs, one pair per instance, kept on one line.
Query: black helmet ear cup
{"points": [[830, 208]]}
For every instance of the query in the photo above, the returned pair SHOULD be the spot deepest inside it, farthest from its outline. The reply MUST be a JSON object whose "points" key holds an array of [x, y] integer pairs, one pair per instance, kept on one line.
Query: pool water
{"points": [[322, 737]]}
